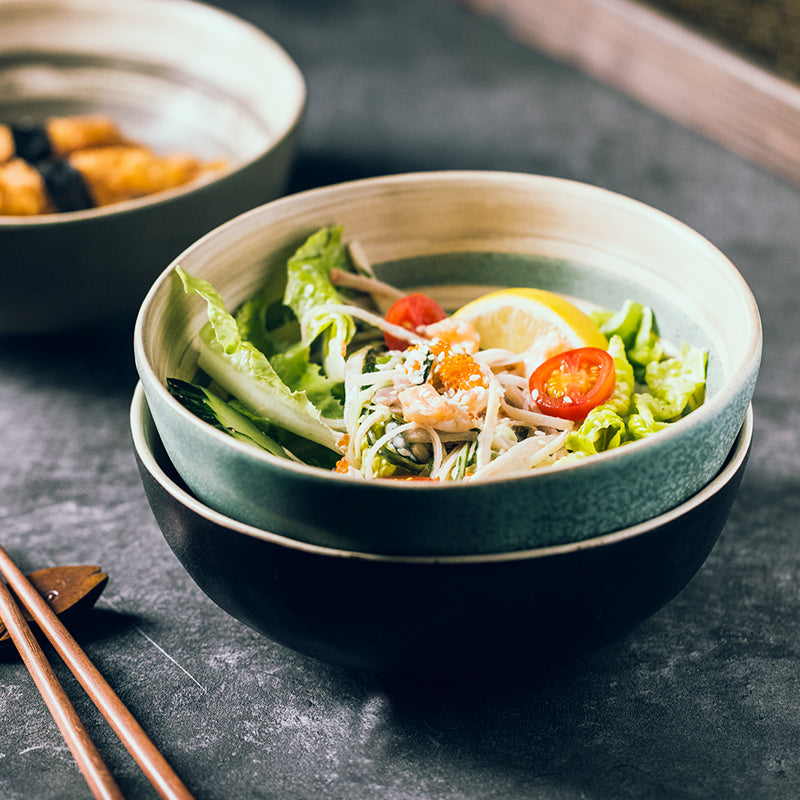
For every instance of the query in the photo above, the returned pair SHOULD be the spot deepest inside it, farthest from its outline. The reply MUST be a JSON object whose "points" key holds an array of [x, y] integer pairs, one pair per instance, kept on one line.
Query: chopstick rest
{"points": [[147, 756], [69, 591]]}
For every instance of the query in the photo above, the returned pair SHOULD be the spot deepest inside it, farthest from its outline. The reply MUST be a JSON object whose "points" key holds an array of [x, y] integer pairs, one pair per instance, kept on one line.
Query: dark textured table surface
{"points": [[700, 701]]}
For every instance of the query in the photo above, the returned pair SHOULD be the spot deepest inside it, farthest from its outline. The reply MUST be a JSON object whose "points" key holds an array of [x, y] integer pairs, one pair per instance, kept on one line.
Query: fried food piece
{"points": [[47, 187], [113, 174], [92, 177], [80, 162], [60, 136], [6, 144], [68, 134], [22, 191]]}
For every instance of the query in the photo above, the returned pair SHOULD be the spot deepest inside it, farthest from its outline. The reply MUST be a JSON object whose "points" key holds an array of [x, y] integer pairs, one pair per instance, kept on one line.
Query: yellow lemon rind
{"points": [[552, 310]]}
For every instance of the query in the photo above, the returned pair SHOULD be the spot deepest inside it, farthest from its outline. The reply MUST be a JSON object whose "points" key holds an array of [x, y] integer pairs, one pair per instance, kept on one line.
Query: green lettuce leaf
{"points": [[623, 323], [302, 375], [245, 372], [222, 415], [308, 452], [650, 417], [676, 387], [309, 290], [625, 383], [603, 429], [647, 346], [636, 325], [680, 381], [266, 322], [272, 328]]}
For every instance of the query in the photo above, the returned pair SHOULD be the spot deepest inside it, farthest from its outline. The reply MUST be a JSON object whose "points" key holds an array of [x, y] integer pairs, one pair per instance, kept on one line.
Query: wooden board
{"points": [[670, 67], [765, 31]]}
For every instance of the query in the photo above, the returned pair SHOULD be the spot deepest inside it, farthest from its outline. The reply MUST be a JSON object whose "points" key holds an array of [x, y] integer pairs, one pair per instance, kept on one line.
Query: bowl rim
{"points": [[140, 414], [13, 222], [452, 178]]}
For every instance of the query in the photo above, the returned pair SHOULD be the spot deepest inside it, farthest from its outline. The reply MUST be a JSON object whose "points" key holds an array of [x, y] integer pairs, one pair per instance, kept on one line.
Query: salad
{"points": [[335, 369]]}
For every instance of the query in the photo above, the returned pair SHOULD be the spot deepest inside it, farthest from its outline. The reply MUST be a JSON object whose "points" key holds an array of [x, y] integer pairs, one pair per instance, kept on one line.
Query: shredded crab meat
{"points": [[425, 406], [457, 334]]}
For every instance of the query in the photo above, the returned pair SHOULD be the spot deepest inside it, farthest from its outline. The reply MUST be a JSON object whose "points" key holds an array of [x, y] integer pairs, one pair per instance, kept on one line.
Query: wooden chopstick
{"points": [[90, 762], [166, 782]]}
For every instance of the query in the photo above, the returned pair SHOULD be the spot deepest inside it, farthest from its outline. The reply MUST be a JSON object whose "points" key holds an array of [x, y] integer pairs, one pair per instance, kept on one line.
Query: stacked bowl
{"points": [[405, 575]]}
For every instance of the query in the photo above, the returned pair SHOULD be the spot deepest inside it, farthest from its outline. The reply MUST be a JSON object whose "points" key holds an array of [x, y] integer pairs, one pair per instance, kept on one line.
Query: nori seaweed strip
{"points": [[31, 141], [65, 186]]}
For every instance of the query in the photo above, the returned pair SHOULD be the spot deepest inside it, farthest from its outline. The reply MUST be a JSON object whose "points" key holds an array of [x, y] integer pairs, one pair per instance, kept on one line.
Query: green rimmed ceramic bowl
{"points": [[456, 235], [426, 614]]}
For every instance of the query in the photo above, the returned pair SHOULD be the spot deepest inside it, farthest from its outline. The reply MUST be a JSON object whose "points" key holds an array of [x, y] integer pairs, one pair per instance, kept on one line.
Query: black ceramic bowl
{"points": [[410, 614]]}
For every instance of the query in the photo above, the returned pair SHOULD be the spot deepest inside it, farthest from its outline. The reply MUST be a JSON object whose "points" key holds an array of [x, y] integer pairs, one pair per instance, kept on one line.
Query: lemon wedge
{"points": [[524, 319]]}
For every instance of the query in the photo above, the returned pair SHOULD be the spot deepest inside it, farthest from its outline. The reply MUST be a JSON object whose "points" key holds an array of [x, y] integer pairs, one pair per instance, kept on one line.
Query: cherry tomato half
{"points": [[411, 312], [569, 385]]}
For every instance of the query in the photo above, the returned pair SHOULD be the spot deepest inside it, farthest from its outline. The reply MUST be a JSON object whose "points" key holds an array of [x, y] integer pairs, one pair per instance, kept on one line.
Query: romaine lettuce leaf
{"points": [[623, 323], [603, 429], [270, 325], [309, 290], [302, 375], [308, 452], [273, 328], [636, 325], [624, 385], [650, 417], [676, 387], [647, 346], [680, 381], [223, 415], [243, 370]]}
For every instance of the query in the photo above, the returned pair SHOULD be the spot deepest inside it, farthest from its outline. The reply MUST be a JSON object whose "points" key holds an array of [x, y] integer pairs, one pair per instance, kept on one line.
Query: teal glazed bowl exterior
{"points": [[430, 615], [456, 235]]}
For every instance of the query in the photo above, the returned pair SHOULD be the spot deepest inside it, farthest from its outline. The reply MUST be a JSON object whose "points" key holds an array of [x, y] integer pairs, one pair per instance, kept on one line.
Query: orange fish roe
{"points": [[342, 465], [454, 370]]}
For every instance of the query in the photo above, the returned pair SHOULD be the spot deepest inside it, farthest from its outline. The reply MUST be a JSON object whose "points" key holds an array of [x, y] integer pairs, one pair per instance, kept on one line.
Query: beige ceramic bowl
{"points": [[456, 235], [175, 75]]}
